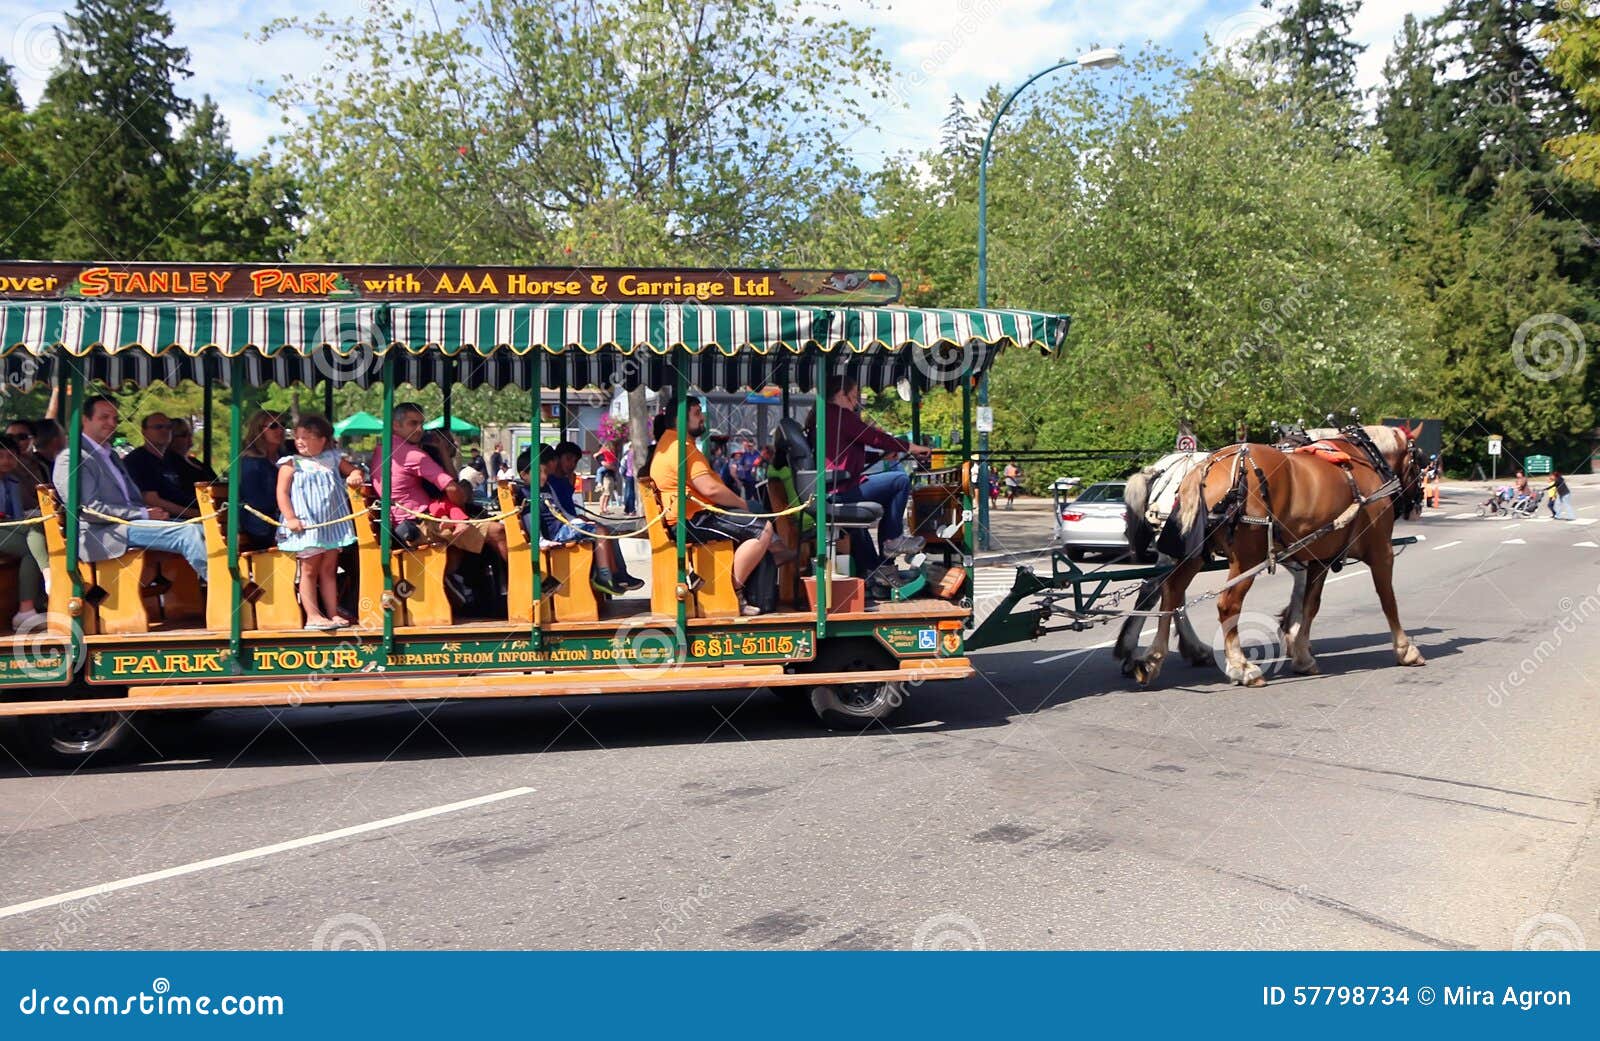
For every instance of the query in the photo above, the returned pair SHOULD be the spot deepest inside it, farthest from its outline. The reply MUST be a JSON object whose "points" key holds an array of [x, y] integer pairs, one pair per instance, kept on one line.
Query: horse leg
{"points": [[1148, 667], [1127, 646], [1229, 605], [1381, 563], [1194, 650], [1293, 612], [1299, 638]]}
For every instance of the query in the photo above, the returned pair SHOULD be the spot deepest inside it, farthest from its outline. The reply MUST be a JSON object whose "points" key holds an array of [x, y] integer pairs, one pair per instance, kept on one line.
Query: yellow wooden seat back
{"points": [[369, 560], [710, 562], [270, 600]]}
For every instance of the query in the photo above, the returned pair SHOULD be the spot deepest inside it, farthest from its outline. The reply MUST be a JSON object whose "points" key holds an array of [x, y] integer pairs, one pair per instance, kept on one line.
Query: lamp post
{"points": [[1100, 58]]}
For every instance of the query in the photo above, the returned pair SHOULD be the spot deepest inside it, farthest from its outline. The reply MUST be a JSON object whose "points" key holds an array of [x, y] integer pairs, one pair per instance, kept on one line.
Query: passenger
{"points": [[560, 487], [752, 537], [159, 472], [105, 487], [25, 542], [32, 469], [316, 525], [848, 438], [195, 471], [419, 480], [553, 531], [257, 473]]}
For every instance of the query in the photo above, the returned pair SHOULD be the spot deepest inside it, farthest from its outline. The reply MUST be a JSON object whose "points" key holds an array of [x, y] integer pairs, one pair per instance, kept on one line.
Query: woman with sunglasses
{"points": [[258, 480]]}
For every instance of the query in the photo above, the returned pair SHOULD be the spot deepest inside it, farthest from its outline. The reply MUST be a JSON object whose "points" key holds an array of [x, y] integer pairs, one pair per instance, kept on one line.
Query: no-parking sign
{"points": [[1187, 443]]}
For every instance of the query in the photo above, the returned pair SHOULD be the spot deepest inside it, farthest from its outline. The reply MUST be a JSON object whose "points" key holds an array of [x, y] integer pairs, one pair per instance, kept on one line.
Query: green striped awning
{"points": [[581, 344]]}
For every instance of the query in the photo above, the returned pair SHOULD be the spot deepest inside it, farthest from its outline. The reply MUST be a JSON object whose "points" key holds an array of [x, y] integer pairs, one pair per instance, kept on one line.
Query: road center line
{"points": [[1080, 650], [1447, 545], [1350, 573], [254, 854]]}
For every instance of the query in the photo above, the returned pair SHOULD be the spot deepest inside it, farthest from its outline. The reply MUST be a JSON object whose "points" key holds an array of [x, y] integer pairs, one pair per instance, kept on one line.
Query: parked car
{"points": [[1094, 521]]}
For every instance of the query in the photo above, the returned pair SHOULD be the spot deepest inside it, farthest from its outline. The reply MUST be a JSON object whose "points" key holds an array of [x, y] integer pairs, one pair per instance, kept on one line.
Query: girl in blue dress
{"points": [[315, 510]]}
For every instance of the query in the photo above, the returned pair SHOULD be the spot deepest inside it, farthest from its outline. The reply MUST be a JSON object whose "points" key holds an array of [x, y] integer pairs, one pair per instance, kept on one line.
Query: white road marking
{"points": [[1588, 545], [1351, 573], [1447, 545], [1513, 542], [1581, 522], [255, 854], [1080, 650], [1462, 516]]}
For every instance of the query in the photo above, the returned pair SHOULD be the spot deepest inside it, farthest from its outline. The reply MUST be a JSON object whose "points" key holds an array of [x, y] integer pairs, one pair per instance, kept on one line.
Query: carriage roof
{"points": [[723, 346]]}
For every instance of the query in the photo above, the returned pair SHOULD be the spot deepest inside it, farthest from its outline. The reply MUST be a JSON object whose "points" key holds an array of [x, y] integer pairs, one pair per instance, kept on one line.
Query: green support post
{"points": [[386, 509], [535, 506], [445, 409], [236, 585], [205, 423], [916, 407], [824, 574], [563, 404], [72, 374], [968, 534], [681, 389]]}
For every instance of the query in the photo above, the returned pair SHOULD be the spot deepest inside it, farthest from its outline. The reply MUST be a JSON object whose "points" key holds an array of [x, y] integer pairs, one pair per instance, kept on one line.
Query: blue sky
{"points": [[938, 47]]}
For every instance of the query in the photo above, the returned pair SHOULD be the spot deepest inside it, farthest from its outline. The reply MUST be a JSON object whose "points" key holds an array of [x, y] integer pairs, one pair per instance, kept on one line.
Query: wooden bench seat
{"points": [[269, 601], [421, 568], [569, 565], [710, 562], [123, 594]]}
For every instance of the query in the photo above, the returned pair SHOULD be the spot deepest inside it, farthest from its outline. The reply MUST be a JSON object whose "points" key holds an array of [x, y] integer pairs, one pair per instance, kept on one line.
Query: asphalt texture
{"points": [[1046, 802]]}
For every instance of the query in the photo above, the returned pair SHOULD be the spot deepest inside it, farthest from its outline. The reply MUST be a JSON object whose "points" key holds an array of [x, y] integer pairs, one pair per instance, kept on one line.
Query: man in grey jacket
{"points": [[104, 487]]}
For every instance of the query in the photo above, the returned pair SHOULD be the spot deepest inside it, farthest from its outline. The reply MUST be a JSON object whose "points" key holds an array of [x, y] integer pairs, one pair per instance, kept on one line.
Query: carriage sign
{"points": [[1186, 443], [265, 283]]}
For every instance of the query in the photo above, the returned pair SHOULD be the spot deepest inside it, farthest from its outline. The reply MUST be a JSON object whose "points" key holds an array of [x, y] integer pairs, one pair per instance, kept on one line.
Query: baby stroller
{"points": [[1506, 502]]}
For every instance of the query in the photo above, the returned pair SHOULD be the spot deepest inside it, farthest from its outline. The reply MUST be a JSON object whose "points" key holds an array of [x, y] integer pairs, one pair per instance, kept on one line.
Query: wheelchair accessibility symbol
{"points": [[927, 640]]}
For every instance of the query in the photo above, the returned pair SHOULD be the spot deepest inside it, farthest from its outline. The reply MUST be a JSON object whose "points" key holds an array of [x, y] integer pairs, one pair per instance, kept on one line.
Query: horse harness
{"points": [[1230, 511]]}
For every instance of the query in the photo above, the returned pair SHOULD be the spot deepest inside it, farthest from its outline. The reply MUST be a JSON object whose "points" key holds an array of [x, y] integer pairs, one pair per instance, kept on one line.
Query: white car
{"points": [[1095, 520]]}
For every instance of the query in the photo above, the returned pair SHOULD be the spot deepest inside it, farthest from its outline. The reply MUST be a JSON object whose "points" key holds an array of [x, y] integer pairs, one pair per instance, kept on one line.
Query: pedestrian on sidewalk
{"points": [[1430, 483]]}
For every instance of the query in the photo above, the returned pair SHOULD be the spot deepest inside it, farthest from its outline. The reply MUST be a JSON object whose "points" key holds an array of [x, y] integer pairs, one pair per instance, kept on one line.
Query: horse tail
{"points": [[1136, 497], [1191, 506]]}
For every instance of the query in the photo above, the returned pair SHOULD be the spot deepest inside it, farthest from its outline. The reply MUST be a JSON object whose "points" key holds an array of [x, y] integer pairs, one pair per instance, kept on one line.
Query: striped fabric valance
{"points": [[723, 347]]}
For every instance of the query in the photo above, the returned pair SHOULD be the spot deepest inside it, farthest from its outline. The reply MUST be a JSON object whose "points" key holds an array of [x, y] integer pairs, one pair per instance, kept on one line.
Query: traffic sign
{"points": [[1187, 443], [1538, 464], [1494, 444]]}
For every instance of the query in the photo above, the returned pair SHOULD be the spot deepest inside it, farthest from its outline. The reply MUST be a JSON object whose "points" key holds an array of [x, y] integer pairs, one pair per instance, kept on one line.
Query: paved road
{"points": [[1046, 803]]}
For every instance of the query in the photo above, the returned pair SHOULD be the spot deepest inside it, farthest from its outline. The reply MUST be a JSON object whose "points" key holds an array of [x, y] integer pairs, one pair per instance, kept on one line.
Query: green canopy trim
{"points": [[232, 329]]}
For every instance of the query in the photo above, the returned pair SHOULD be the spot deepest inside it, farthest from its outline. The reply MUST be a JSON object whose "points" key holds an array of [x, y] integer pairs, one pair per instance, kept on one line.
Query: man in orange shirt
{"points": [[752, 537]]}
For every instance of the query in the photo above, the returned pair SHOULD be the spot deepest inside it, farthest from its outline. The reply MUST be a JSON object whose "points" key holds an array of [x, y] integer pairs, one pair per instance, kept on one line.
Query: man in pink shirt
{"points": [[849, 436], [418, 481]]}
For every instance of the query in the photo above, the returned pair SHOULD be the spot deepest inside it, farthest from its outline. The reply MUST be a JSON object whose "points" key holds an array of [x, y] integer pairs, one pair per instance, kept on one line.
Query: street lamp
{"points": [[1099, 58]]}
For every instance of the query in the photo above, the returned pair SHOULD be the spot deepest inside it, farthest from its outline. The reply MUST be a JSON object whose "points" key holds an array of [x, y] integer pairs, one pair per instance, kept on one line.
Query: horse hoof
{"points": [[1144, 673], [1308, 669], [1249, 676], [1411, 656]]}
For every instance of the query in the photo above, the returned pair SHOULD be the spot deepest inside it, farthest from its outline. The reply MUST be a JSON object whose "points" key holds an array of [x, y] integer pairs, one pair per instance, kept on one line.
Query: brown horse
{"points": [[1263, 501]]}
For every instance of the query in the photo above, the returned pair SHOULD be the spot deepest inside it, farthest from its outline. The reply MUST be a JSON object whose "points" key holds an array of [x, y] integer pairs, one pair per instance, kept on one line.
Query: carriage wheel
{"points": [[855, 706], [71, 740]]}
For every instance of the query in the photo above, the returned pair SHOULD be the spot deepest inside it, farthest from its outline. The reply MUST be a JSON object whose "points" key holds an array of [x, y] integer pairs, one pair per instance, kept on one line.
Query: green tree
{"points": [[1575, 60], [241, 211], [23, 186], [600, 130], [1312, 39], [106, 123], [1509, 328]]}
